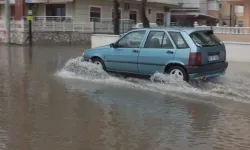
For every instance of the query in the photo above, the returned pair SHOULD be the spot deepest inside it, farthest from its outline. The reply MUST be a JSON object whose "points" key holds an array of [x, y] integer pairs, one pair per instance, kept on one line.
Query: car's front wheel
{"points": [[99, 62], [177, 73]]}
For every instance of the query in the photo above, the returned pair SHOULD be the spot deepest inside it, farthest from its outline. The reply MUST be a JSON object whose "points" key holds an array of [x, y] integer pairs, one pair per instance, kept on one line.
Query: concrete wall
{"points": [[214, 13], [225, 12], [70, 9], [191, 3], [204, 6], [82, 9], [238, 53], [213, 5], [102, 39], [48, 37]]}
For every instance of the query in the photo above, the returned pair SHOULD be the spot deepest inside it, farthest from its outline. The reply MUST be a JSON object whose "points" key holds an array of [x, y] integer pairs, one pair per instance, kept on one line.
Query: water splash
{"points": [[86, 69], [226, 87]]}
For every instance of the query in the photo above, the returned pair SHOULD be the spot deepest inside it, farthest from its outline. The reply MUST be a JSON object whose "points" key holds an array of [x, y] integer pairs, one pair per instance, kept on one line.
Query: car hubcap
{"points": [[177, 74], [98, 63]]}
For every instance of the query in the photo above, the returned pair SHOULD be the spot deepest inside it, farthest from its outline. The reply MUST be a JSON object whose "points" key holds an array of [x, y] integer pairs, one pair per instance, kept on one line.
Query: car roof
{"points": [[188, 30]]}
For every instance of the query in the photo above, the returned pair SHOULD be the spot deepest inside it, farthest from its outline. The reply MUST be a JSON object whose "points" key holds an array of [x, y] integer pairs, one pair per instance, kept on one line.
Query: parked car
{"points": [[187, 54]]}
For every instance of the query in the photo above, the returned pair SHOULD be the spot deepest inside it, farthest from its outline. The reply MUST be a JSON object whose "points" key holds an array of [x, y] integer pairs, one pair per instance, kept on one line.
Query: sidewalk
{"points": [[238, 52], [239, 43]]}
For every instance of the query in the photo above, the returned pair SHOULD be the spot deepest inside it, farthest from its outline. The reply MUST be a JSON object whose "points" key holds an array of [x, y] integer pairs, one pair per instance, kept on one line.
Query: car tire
{"points": [[99, 62], [178, 72]]}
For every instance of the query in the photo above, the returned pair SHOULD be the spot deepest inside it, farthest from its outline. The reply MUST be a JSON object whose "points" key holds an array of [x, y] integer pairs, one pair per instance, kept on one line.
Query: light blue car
{"points": [[186, 54]]}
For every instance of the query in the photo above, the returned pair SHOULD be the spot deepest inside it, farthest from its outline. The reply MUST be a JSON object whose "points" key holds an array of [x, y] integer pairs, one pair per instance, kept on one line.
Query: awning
{"points": [[193, 16], [205, 16], [168, 3]]}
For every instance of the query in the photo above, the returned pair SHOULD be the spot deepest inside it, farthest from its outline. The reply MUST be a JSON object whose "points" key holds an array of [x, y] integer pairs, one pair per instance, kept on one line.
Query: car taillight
{"points": [[195, 59]]}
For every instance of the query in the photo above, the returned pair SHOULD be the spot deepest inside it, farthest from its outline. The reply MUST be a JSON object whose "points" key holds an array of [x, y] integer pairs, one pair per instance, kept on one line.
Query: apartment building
{"points": [[205, 12], [241, 12], [88, 10], [231, 14]]}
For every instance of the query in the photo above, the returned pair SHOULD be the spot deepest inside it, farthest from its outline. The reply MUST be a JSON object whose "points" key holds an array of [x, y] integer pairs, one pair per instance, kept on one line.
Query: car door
{"points": [[157, 51], [182, 48], [125, 52]]}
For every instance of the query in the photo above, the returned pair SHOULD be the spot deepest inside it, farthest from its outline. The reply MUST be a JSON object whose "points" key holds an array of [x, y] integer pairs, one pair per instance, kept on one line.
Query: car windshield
{"points": [[205, 39]]}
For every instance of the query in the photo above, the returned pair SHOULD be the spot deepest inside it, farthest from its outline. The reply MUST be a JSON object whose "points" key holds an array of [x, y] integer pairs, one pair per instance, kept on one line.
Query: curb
{"points": [[240, 43]]}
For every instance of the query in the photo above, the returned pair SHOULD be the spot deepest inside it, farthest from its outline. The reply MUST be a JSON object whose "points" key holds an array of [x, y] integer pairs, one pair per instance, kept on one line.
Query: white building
{"points": [[88, 10], [203, 11]]}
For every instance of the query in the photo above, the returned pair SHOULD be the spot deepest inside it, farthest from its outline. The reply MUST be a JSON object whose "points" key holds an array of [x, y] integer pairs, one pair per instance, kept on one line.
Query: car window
{"points": [[154, 39], [178, 40], [205, 38], [132, 39], [158, 39], [167, 43]]}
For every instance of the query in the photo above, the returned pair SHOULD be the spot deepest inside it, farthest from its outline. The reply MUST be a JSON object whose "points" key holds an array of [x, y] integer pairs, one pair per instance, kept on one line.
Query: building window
{"points": [[149, 11], [56, 12], [133, 16], [132, 39], [158, 39], [178, 40], [95, 14], [160, 19]]}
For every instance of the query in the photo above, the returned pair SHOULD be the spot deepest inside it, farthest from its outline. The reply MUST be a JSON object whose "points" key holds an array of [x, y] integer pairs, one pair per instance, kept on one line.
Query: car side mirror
{"points": [[113, 45]]}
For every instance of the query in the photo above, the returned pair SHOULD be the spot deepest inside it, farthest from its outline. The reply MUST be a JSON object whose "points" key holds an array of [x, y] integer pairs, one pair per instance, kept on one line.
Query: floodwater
{"points": [[49, 100]]}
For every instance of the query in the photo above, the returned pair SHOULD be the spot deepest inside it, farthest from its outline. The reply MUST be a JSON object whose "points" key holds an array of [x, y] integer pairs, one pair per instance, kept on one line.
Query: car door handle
{"points": [[135, 51], [169, 52]]}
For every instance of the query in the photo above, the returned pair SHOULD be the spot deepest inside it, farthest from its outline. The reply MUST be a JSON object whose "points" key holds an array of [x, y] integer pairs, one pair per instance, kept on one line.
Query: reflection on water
{"points": [[39, 111]]}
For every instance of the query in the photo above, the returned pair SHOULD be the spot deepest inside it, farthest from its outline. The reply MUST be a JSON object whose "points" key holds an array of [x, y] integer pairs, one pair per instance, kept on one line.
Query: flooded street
{"points": [[49, 100]]}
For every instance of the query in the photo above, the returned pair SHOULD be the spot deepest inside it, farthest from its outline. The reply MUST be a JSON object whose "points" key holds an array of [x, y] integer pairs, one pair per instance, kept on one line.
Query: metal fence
{"points": [[103, 26], [107, 26]]}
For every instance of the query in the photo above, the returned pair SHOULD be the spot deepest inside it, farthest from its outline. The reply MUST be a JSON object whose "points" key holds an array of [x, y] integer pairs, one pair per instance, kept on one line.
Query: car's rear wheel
{"points": [[99, 62], [177, 73]]}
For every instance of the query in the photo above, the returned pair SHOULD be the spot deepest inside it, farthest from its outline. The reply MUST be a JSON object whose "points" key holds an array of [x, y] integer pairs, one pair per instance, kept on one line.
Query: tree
{"points": [[144, 18], [116, 18]]}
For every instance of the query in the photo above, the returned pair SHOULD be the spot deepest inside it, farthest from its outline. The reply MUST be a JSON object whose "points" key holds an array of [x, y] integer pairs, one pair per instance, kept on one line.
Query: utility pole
{"points": [[30, 18], [116, 17], [7, 20]]}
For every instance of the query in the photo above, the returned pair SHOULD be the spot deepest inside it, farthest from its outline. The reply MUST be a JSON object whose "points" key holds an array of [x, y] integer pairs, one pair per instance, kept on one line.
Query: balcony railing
{"points": [[52, 18], [56, 24]]}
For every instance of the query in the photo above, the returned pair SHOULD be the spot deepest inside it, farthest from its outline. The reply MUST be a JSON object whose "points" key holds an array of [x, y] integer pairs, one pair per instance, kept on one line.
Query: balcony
{"points": [[165, 2]]}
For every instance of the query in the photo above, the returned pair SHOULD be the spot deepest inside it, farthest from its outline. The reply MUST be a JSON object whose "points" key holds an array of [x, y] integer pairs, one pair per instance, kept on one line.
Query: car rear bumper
{"points": [[207, 71]]}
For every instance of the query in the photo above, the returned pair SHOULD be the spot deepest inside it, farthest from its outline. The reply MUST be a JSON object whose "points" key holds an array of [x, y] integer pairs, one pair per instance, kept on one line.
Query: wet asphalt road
{"points": [[51, 101]]}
